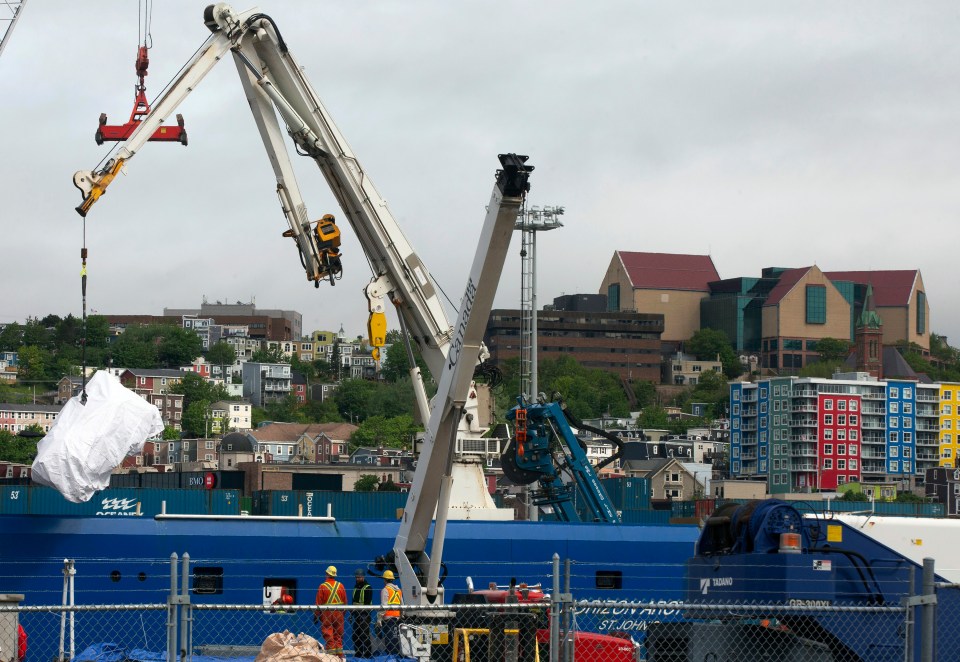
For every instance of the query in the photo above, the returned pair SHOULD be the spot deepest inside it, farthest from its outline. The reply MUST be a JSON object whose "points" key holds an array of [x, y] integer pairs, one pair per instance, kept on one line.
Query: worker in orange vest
{"points": [[388, 619], [330, 593]]}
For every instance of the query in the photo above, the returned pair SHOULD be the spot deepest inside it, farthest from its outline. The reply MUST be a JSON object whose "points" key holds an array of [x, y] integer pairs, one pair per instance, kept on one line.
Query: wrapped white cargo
{"points": [[87, 442]]}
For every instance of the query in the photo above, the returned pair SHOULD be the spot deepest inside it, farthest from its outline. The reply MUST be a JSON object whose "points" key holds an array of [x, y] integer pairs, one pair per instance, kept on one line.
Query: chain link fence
{"points": [[191, 626]]}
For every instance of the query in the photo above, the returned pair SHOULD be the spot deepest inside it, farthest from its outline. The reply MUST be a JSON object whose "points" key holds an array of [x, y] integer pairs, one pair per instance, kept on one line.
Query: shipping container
{"points": [[125, 480], [645, 516], [628, 493], [14, 499], [224, 502], [315, 482], [160, 480]]}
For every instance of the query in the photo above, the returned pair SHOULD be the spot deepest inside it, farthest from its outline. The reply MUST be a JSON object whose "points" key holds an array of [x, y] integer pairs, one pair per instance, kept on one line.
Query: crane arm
{"points": [[272, 77]]}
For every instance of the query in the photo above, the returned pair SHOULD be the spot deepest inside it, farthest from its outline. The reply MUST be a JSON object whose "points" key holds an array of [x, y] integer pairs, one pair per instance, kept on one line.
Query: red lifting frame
{"points": [[140, 110]]}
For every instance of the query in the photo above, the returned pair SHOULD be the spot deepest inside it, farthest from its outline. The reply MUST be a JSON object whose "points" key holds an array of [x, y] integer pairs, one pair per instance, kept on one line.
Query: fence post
{"points": [[927, 646], [172, 610], [186, 613], [567, 614], [910, 618], [555, 612]]}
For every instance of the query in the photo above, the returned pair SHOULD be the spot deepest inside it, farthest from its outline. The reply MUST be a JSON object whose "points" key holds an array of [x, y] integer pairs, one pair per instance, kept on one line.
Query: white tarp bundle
{"points": [[87, 442]]}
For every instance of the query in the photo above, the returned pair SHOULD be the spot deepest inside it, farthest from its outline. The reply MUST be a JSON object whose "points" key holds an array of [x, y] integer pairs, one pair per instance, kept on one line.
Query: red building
{"points": [[839, 439]]}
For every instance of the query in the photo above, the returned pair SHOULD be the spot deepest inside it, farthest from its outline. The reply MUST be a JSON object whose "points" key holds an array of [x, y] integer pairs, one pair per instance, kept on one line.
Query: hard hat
{"points": [[328, 217], [388, 574], [332, 570], [359, 572]]}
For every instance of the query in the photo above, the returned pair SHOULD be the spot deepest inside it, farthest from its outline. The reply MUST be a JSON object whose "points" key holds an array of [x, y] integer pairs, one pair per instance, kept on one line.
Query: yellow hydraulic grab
{"points": [[328, 244]]}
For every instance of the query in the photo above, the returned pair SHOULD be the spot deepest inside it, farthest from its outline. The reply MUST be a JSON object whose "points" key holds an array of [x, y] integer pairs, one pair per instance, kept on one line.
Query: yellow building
{"points": [[949, 423]]}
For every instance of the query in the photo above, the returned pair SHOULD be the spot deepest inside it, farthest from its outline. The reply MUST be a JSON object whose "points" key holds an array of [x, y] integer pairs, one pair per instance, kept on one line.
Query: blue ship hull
{"points": [[236, 559]]}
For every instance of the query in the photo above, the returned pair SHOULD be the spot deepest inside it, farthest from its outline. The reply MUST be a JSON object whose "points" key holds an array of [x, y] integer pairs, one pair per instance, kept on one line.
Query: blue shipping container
{"points": [[14, 500]]}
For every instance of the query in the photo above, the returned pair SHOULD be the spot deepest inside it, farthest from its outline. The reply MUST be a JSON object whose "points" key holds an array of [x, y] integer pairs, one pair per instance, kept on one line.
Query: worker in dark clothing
{"points": [[362, 595]]}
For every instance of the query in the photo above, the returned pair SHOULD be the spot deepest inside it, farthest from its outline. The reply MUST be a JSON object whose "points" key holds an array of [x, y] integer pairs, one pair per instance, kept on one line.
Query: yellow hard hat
{"points": [[388, 574], [332, 570]]}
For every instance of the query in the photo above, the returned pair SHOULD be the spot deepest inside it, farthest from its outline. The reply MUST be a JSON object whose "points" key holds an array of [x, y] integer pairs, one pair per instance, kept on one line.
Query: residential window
{"points": [[817, 305], [853, 405], [763, 392], [907, 451], [828, 404], [841, 449], [842, 405], [828, 433], [921, 313], [828, 463], [828, 419], [842, 433], [853, 447], [907, 407], [841, 465], [894, 392], [907, 393], [828, 449], [906, 467], [894, 422], [853, 465], [841, 480], [853, 419], [894, 467], [894, 437], [841, 419], [854, 435], [908, 437], [894, 451]]}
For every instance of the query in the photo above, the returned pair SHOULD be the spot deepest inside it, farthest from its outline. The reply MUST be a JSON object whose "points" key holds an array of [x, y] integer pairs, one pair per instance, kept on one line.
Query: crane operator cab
{"points": [[328, 245]]}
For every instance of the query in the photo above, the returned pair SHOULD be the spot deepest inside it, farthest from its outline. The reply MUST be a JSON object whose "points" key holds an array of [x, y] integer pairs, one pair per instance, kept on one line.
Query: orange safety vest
{"points": [[334, 598], [394, 597]]}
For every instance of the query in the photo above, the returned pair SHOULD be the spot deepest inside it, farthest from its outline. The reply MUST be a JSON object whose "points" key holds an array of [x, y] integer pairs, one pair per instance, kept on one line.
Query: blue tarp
{"points": [[110, 652]]}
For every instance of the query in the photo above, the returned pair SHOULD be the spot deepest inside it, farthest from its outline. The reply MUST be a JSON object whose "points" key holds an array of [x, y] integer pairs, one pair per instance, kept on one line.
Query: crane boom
{"points": [[274, 86]]}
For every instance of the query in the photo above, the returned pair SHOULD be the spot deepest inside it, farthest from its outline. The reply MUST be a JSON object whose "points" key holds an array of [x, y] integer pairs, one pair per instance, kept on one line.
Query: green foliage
{"points": [[198, 394], [366, 483], [645, 392], [654, 417], [14, 448], [388, 485], [909, 497], [824, 369], [711, 388], [222, 354], [588, 392], [303, 367], [706, 344], [832, 350], [321, 411], [272, 355], [285, 410], [194, 421], [11, 337], [32, 364], [170, 433], [377, 431], [396, 364], [353, 398], [851, 495]]}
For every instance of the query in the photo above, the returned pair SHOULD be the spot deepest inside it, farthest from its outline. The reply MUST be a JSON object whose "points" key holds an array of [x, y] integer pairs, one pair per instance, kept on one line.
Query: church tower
{"points": [[868, 338]]}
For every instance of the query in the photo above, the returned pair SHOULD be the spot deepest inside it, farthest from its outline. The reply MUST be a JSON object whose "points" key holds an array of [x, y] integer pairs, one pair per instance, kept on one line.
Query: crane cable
{"points": [[145, 20], [83, 288]]}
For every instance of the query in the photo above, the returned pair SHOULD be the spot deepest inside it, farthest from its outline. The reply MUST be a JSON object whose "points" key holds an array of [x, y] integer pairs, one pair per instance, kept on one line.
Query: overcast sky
{"points": [[761, 133]]}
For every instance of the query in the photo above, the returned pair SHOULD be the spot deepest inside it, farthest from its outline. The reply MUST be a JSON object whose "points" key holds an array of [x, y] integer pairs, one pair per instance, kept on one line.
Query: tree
{"points": [[272, 355], [832, 350], [11, 337], [380, 431], [198, 394], [194, 421], [321, 411], [170, 433], [286, 410], [851, 495], [396, 363], [353, 398], [16, 448], [178, 347], [222, 354], [654, 417], [32, 364], [706, 344], [366, 483]]}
